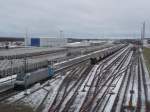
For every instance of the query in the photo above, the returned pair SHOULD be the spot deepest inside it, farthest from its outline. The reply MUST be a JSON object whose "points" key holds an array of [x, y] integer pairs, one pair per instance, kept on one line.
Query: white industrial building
{"points": [[46, 42]]}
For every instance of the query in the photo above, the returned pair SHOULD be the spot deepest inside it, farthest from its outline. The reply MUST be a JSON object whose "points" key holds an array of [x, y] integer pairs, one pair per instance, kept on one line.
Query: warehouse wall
{"points": [[49, 42], [35, 42]]}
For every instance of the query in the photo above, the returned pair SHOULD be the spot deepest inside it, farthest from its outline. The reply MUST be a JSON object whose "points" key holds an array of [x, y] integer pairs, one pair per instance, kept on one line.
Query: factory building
{"points": [[47, 42]]}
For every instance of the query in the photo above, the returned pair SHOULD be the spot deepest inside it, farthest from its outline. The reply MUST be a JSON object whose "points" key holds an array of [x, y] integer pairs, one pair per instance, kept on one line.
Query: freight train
{"points": [[25, 80]]}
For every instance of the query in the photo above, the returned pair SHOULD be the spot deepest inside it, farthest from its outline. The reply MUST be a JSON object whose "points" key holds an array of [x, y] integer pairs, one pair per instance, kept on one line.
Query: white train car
{"points": [[31, 78]]}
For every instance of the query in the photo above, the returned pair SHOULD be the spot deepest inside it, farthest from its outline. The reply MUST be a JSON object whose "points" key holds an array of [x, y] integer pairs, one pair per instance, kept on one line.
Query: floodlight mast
{"points": [[61, 34], [26, 37], [142, 34]]}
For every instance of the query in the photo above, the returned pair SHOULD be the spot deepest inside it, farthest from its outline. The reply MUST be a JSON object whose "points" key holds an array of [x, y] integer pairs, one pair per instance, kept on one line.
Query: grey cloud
{"points": [[81, 16]]}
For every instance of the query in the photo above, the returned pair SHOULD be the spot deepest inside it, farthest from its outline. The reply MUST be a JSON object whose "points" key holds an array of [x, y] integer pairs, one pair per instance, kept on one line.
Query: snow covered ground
{"points": [[7, 83], [115, 85]]}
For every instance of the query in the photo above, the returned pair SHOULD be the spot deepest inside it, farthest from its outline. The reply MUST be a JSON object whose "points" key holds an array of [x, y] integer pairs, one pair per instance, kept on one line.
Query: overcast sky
{"points": [[74, 17]]}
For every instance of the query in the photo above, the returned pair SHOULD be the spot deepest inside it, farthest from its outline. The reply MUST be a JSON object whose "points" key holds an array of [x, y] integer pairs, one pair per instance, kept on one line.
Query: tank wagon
{"points": [[23, 80], [96, 56]]}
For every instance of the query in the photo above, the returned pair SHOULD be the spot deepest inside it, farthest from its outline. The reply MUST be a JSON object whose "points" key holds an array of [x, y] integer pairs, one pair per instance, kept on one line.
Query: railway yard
{"points": [[106, 78], [12, 61]]}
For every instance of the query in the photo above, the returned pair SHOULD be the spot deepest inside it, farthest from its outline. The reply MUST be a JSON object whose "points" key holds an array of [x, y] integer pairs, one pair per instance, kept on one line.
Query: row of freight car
{"points": [[18, 68], [29, 54], [22, 68], [29, 67]]}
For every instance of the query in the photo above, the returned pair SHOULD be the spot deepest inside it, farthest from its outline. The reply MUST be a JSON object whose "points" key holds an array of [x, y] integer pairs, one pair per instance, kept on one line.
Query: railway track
{"points": [[109, 91], [103, 86], [71, 99], [131, 96], [10, 92], [67, 90], [13, 96], [117, 83]]}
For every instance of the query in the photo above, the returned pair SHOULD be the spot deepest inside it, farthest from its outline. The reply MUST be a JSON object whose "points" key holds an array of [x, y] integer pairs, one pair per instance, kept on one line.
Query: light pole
{"points": [[11, 62], [142, 33], [25, 75], [61, 34]]}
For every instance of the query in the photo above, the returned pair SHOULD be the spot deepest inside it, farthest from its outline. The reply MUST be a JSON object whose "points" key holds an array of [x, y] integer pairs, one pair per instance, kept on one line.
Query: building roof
{"points": [[3, 39]]}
